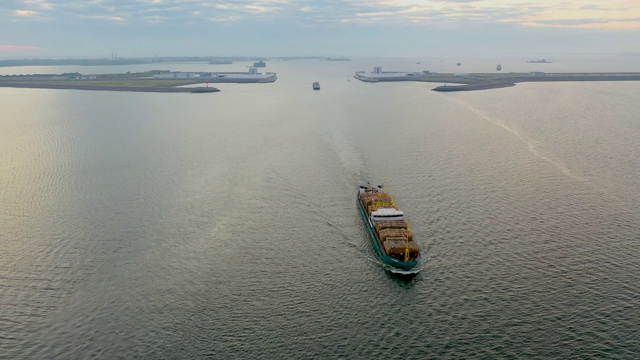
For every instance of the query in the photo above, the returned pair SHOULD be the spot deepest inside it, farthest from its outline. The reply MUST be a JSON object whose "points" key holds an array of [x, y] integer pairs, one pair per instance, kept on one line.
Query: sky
{"points": [[145, 28]]}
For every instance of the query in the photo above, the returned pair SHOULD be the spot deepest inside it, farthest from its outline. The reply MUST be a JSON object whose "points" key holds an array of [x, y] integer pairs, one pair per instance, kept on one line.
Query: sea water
{"points": [[138, 225]]}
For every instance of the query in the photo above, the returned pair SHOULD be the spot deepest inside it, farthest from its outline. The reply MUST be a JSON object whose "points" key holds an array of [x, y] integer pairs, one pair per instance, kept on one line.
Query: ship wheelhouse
{"points": [[387, 214]]}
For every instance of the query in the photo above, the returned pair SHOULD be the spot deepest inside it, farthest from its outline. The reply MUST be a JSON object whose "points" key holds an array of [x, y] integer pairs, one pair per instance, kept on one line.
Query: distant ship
{"points": [[316, 85], [220, 62], [499, 67], [459, 64], [259, 64], [541, 61], [337, 59]]}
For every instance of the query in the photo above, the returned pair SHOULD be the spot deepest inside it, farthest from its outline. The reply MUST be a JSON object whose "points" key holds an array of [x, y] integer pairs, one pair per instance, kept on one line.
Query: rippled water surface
{"points": [[225, 225]]}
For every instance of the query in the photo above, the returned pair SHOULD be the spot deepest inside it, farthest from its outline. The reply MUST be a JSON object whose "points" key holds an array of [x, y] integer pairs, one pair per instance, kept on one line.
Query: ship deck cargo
{"points": [[388, 231]]}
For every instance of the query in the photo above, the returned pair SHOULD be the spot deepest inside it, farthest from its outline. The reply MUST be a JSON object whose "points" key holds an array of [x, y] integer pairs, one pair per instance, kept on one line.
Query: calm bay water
{"points": [[225, 226]]}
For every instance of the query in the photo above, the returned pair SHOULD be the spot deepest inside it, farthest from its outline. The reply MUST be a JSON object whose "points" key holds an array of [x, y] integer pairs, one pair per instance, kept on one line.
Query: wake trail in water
{"points": [[530, 144], [421, 266], [348, 157]]}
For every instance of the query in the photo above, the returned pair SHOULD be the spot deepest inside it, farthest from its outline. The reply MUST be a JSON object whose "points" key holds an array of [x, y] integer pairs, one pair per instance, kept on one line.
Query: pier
{"points": [[485, 81], [135, 82], [494, 81], [103, 87]]}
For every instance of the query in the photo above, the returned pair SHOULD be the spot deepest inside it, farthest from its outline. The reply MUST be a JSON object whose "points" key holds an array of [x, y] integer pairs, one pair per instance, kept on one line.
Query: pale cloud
{"points": [[224, 19], [155, 19], [18, 47], [26, 13], [380, 15], [614, 14], [256, 8], [395, 21], [583, 23], [246, 7], [577, 14], [39, 4], [225, 6], [106, 18]]}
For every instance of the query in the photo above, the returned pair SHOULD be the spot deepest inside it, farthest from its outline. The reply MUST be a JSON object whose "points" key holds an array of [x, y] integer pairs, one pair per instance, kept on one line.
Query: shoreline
{"points": [[148, 89], [497, 83], [452, 82], [485, 81], [156, 81], [474, 87]]}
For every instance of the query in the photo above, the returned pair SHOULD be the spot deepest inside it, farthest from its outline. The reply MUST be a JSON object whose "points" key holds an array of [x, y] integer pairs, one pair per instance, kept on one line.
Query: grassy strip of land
{"points": [[483, 81], [472, 82], [107, 84]]}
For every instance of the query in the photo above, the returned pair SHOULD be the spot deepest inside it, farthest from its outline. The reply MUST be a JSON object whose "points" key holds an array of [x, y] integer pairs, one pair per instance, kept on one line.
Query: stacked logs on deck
{"points": [[369, 200], [396, 238]]}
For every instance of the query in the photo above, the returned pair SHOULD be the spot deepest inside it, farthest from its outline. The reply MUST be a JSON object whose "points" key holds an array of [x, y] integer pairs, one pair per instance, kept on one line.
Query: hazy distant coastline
{"points": [[137, 61]]}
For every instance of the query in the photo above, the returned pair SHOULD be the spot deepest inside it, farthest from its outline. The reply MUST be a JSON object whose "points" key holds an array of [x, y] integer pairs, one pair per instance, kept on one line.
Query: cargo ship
{"points": [[388, 230]]}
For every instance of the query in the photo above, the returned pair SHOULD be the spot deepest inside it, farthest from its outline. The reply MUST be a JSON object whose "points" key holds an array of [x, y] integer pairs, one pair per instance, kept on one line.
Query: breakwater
{"points": [[484, 81], [473, 87], [133, 82], [492, 81], [155, 89]]}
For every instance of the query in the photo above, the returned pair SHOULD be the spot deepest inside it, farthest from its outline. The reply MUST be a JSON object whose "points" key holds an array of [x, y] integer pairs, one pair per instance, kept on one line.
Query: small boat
{"points": [[459, 64], [316, 85], [541, 61], [388, 230], [499, 67]]}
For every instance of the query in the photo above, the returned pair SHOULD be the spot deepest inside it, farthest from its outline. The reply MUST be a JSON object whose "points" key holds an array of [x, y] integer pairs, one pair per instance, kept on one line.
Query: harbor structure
{"points": [[251, 76], [537, 74], [176, 75], [378, 75]]}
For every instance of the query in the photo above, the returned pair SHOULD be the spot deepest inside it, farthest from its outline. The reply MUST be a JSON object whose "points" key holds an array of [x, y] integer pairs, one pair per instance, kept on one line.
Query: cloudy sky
{"points": [[95, 28]]}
